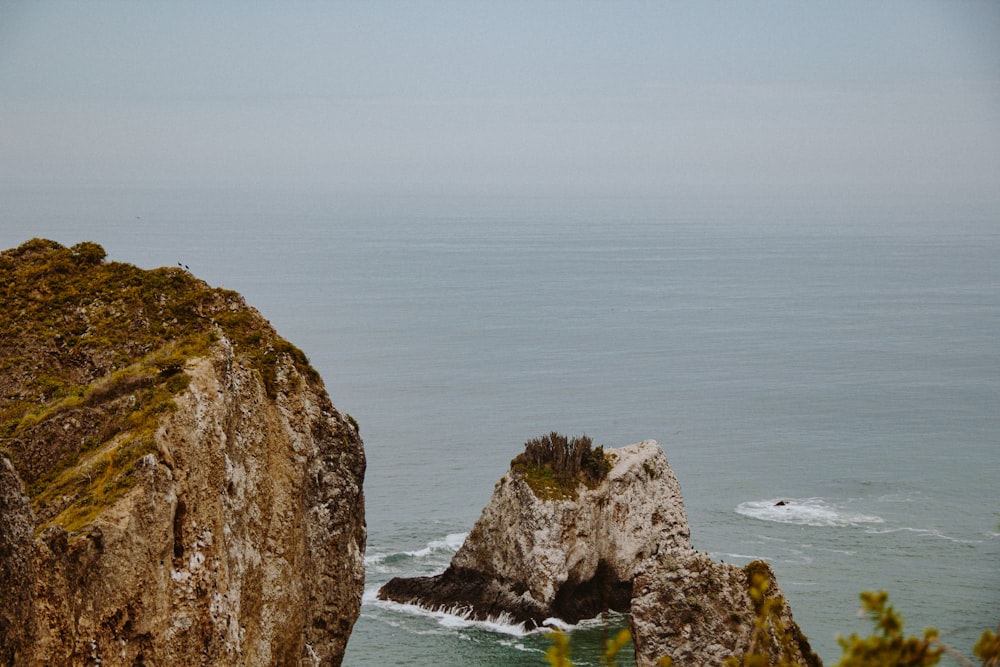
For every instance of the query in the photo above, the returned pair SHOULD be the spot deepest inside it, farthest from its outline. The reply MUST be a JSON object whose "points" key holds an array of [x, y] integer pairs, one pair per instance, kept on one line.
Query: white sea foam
{"points": [[449, 543], [460, 617], [518, 646], [457, 617], [374, 559], [805, 512], [557, 623]]}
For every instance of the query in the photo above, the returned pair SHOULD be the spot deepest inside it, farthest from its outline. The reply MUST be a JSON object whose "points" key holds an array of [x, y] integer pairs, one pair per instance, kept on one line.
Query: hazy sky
{"points": [[510, 97]]}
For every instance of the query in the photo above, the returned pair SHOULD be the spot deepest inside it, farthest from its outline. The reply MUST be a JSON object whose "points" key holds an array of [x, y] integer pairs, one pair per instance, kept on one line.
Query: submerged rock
{"points": [[195, 497]]}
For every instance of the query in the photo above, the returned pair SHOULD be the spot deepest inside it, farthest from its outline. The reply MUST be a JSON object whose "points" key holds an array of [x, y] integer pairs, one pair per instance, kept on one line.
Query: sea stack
{"points": [[176, 487], [543, 548], [609, 533]]}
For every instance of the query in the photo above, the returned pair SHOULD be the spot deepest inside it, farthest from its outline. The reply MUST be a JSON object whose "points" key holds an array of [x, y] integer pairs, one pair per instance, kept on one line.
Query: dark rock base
{"points": [[480, 597]]}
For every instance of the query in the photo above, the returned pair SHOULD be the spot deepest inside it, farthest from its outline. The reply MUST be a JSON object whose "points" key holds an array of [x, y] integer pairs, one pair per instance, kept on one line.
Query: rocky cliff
{"points": [[700, 612], [175, 485], [573, 548]]}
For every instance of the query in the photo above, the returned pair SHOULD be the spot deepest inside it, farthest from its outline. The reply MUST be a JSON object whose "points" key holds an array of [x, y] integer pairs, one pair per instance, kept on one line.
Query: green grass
{"points": [[544, 484], [555, 466], [93, 353]]}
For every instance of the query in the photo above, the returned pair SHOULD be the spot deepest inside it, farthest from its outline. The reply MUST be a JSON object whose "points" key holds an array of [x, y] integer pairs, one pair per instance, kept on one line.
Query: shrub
{"points": [[88, 252], [888, 647], [554, 464], [566, 457]]}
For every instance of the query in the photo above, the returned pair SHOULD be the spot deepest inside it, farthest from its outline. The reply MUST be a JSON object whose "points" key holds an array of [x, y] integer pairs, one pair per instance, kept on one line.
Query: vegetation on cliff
{"points": [[91, 355], [888, 646], [554, 465]]}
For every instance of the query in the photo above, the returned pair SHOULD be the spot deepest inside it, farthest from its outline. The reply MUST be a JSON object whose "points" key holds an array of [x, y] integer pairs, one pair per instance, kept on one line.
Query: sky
{"points": [[613, 98]]}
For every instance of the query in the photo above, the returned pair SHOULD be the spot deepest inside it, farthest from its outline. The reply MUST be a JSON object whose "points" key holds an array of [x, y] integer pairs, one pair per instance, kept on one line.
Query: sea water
{"points": [[839, 355]]}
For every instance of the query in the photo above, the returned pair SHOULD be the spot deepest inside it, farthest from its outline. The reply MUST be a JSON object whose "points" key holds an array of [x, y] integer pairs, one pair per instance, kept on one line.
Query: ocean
{"points": [[839, 353]]}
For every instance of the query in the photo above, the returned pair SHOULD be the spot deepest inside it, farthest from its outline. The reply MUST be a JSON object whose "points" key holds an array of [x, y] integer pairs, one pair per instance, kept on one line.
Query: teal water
{"points": [[842, 355]]}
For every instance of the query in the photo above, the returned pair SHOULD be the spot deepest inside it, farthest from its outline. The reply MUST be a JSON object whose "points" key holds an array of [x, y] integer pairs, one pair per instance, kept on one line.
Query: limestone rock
{"points": [[196, 499], [699, 612], [531, 558], [17, 563]]}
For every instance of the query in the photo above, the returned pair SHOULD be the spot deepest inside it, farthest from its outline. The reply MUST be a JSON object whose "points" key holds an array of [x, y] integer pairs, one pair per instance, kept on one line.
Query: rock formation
{"points": [[542, 550], [17, 563], [532, 556], [175, 485], [700, 612]]}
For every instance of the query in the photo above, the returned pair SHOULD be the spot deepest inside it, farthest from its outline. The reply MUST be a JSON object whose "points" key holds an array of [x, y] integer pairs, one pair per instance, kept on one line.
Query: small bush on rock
{"points": [[554, 465]]}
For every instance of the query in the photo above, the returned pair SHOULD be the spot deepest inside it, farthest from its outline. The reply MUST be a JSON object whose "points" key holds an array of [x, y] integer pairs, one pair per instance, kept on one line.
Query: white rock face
{"points": [[635, 513]]}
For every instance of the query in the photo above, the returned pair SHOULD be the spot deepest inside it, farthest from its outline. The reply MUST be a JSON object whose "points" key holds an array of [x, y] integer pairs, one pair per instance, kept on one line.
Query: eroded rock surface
{"points": [[195, 497], [622, 545], [700, 612], [17, 563], [532, 558]]}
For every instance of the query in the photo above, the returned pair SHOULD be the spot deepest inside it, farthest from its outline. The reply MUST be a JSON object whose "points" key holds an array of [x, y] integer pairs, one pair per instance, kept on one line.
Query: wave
{"points": [[457, 617], [895, 498], [460, 617], [518, 646], [449, 543], [925, 532], [804, 512]]}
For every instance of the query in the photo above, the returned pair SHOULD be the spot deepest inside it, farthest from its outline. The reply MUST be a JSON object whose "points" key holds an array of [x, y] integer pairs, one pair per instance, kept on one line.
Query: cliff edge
{"points": [[175, 485]]}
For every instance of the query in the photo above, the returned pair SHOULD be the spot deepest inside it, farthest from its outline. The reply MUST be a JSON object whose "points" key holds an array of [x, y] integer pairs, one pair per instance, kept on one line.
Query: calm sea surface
{"points": [[842, 356]]}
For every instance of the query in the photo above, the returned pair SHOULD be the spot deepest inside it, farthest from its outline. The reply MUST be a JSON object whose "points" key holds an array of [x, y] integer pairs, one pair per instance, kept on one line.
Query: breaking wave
{"points": [[460, 617], [447, 545], [453, 618], [804, 512]]}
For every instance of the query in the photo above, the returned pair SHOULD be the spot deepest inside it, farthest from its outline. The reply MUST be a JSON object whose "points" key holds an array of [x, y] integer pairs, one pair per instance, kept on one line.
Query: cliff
{"points": [[571, 546], [175, 485]]}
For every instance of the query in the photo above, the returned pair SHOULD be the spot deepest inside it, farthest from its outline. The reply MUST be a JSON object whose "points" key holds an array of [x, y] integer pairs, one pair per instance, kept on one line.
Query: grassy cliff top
{"points": [[91, 354]]}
